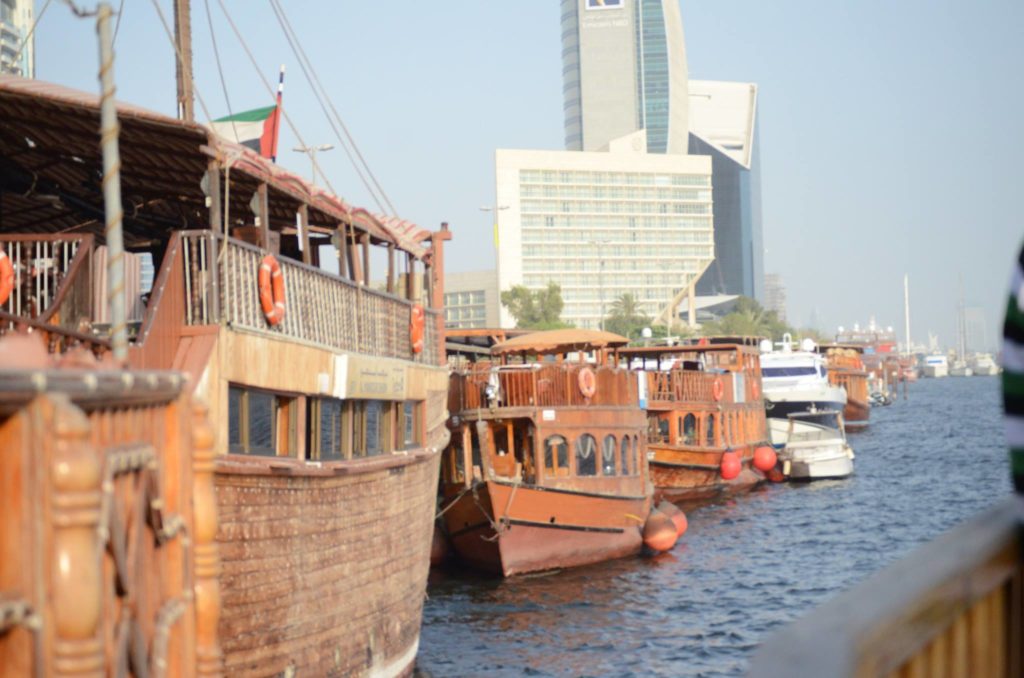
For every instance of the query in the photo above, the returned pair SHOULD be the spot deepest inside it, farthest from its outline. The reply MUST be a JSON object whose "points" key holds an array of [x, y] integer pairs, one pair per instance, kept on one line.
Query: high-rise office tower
{"points": [[624, 69], [16, 48]]}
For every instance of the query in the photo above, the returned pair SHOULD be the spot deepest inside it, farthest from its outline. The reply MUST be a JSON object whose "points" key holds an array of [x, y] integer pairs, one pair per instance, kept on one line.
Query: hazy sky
{"points": [[890, 131]]}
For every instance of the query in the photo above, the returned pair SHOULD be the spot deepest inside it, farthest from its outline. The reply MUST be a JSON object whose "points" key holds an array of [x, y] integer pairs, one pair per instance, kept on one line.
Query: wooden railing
{"points": [[856, 384], [322, 308], [158, 338], [953, 607], [52, 278], [538, 385], [57, 340], [102, 484]]}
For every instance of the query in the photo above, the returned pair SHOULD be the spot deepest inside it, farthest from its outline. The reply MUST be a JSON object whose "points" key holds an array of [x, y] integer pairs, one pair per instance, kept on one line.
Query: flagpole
{"points": [[277, 114]]}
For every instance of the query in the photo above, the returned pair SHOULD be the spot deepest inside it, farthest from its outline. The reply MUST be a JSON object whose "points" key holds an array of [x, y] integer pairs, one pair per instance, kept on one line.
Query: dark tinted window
{"points": [[586, 455]]}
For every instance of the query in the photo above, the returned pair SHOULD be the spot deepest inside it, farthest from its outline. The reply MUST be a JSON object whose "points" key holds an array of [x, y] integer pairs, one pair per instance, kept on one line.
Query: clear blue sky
{"points": [[890, 131]]}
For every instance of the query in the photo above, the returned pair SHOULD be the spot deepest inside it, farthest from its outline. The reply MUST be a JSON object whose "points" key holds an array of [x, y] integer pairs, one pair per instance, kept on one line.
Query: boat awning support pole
{"points": [[112, 187]]}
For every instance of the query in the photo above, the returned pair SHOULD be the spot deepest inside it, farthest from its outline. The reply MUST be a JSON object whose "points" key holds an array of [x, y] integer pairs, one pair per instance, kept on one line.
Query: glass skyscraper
{"points": [[624, 69]]}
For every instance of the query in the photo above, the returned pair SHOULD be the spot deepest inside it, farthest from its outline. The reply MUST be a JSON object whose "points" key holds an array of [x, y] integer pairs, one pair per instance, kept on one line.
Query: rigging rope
{"points": [[321, 94], [28, 36], [270, 90], [117, 24], [220, 70]]}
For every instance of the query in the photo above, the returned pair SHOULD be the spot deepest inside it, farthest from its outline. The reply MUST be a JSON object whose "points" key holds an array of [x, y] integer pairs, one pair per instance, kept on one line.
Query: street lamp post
{"points": [[311, 151], [600, 276], [495, 209]]}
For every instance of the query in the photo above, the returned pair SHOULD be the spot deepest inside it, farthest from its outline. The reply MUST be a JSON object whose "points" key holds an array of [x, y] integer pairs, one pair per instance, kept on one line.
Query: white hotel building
{"points": [[602, 224]]}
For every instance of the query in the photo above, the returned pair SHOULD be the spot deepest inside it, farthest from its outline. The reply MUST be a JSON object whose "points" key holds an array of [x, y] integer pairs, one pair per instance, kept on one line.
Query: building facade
{"points": [[604, 224], [624, 69], [723, 125], [17, 56], [471, 300], [775, 295]]}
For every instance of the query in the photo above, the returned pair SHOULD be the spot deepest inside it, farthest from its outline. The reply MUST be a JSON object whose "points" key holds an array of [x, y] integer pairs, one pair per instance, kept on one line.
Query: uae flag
{"points": [[255, 129]]}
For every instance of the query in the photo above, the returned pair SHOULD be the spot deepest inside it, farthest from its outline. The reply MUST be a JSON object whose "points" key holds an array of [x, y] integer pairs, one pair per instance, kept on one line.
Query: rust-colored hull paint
{"points": [[324, 571], [541, 529], [686, 474], [856, 413]]}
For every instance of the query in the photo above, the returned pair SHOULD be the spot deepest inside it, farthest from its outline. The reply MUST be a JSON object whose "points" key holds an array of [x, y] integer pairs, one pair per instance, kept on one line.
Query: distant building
{"points": [[604, 224], [624, 69], [775, 295], [471, 300], [723, 124], [17, 54]]}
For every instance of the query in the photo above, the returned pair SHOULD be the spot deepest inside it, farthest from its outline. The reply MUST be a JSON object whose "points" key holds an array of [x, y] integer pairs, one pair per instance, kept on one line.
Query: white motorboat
{"points": [[935, 365], [983, 365], [959, 368], [793, 382], [816, 447]]}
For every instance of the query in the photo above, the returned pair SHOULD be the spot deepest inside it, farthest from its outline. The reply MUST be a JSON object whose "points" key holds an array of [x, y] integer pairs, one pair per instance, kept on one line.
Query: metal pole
{"points": [[109, 130]]}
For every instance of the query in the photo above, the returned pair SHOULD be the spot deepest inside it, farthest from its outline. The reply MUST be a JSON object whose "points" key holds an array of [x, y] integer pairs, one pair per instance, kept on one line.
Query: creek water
{"points": [[746, 566]]}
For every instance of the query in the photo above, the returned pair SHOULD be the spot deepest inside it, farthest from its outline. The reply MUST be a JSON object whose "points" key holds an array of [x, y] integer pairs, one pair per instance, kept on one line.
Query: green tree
{"points": [[627, 317], [535, 309], [748, 318]]}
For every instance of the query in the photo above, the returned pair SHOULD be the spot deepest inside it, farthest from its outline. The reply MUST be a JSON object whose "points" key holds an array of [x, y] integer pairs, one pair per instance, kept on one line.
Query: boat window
{"points": [[625, 455], [586, 455], [608, 456], [328, 429], [788, 371], [556, 455], [663, 430], [710, 431], [689, 429], [821, 368], [260, 423], [408, 425]]}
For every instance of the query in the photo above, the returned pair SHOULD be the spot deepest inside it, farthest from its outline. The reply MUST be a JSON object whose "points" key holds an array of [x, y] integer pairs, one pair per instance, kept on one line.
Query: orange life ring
{"points": [[717, 388], [416, 322], [6, 276], [271, 284], [587, 382]]}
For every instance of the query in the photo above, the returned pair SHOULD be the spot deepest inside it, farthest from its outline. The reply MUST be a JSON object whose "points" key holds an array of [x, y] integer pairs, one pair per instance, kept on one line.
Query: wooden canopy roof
{"points": [[51, 171], [559, 341]]}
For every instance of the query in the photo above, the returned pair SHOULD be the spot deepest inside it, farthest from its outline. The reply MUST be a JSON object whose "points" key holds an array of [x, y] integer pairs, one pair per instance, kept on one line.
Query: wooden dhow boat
{"points": [[846, 369], [706, 431], [547, 466], [307, 502]]}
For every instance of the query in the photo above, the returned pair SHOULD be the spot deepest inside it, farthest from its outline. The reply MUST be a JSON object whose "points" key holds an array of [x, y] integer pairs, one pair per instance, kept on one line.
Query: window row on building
{"points": [[611, 251], [465, 313], [574, 192], [474, 297], [528, 176], [265, 423], [616, 222], [613, 207], [581, 237]]}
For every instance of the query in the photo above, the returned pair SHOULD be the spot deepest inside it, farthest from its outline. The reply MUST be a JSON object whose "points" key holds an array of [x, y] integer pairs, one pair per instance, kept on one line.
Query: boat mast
{"points": [[183, 62], [906, 312]]}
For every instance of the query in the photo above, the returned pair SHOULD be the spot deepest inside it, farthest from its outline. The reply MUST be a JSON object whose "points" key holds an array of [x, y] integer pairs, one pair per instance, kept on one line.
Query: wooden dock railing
{"points": [[953, 607], [221, 282], [538, 385]]}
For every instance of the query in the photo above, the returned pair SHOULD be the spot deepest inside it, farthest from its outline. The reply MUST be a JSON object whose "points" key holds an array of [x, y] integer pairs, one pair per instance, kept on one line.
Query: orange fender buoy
{"points": [[6, 276], [677, 516], [730, 466], [271, 287], [717, 388], [587, 382], [417, 318], [764, 459], [659, 532]]}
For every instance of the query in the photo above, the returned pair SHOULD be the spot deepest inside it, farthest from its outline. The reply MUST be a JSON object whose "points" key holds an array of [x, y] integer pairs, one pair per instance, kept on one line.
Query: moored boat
{"points": [[326, 397], [706, 431], [983, 365], [816, 447], [846, 369], [935, 365], [547, 466]]}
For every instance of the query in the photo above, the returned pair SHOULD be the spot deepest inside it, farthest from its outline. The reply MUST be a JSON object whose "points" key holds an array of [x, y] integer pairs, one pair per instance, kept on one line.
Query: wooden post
{"points": [[391, 268], [76, 599], [437, 240], [353, 257], [410, 285], [365, 241], [304, 226], [183, 70], [264, 216], [209, 661], [213, 181]]}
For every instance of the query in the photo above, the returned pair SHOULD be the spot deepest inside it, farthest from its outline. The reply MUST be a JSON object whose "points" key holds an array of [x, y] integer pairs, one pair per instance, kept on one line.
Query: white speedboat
{"points": [[793, 382], [983, 365], [816, 447], [935, 365], [959, 368]]}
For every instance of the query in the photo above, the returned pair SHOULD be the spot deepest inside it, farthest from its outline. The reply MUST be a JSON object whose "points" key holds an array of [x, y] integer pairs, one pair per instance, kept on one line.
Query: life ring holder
{"points": [[417, 318], [271, 288], [717, 388], [6, 276], [586, 380]]}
